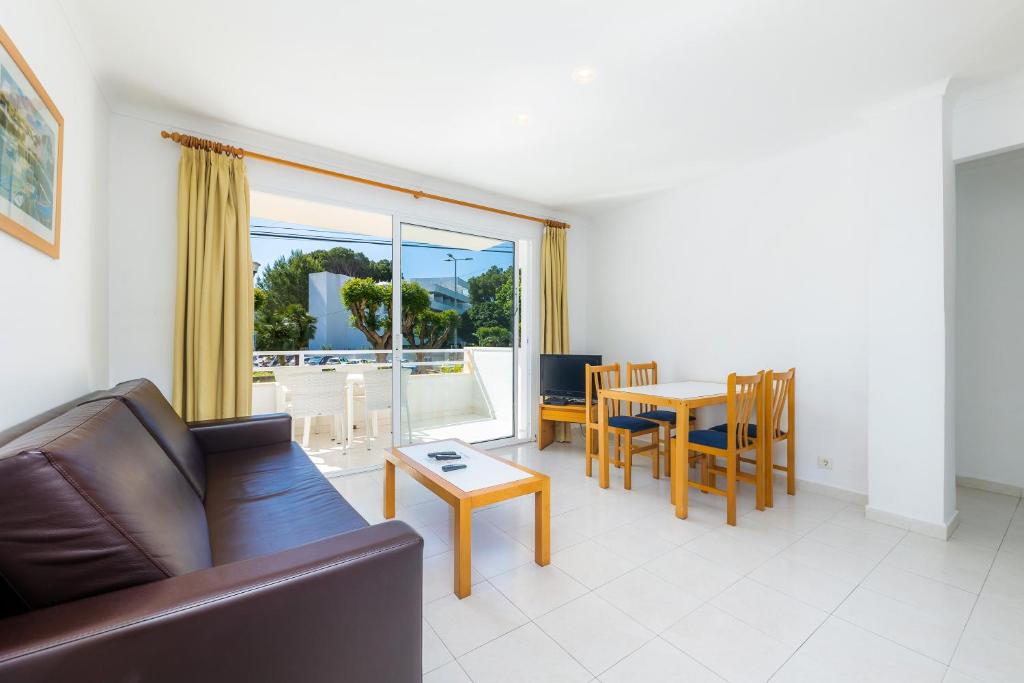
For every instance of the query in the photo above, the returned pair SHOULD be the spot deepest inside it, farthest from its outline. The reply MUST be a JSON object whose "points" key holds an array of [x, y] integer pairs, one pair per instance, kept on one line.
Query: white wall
{"points": [[53, 339], [765, 267], [835, 258], [990, 327], [989, 119], [911, 456], [143, 178]]}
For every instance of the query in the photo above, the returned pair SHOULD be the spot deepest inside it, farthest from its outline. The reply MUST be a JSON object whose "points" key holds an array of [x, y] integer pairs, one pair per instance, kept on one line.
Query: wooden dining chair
{"points": [[780, 393], [642, 374], [623, 428], [744, 401]]}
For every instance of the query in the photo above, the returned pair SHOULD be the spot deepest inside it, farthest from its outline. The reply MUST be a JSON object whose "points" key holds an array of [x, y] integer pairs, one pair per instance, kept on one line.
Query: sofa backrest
{"points": [[90, 503], [157, 415]]}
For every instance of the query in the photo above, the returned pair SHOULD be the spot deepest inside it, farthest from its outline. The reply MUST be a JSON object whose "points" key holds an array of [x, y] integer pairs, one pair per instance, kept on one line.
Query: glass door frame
{"points": [[521, 418]]}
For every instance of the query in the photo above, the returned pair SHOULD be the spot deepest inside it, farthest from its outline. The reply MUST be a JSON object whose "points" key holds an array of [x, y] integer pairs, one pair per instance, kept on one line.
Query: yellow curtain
{"points": [[554, 307], [213, 312]]}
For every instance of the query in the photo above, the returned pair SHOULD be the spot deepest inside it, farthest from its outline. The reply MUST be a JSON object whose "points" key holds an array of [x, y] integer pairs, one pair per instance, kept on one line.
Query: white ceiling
{"points": [[683, 87]]}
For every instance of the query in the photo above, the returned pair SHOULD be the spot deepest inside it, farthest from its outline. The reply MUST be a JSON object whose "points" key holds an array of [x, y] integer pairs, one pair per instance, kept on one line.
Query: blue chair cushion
{"points": [[709, 437], [663, 415], [633, 424], [751, 430]]}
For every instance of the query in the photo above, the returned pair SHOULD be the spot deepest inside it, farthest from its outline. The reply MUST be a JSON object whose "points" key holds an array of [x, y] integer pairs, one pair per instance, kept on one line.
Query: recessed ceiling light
{"points": [[522, 119], [584, 74]]}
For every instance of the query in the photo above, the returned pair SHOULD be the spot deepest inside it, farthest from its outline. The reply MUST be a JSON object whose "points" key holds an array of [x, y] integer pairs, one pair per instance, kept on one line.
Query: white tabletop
{"points": [[482, 471], [679, 390]]}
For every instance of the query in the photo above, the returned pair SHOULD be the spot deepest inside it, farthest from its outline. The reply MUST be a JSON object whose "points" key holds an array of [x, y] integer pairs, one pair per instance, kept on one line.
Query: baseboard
{"points": [[847, 495], [931, 529], [990, 486]]}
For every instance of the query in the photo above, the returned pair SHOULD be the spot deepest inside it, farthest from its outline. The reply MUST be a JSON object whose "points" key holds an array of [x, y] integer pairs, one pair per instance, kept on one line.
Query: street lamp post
{"points": [[455, 286]]}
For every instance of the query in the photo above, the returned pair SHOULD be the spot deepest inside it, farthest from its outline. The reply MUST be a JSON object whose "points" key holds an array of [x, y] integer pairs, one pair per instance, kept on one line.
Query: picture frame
{"points": [[31, 154]]}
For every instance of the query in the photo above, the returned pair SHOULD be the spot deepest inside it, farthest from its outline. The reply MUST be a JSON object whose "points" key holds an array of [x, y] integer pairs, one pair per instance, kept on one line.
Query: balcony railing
{"points": [[342, 398]]}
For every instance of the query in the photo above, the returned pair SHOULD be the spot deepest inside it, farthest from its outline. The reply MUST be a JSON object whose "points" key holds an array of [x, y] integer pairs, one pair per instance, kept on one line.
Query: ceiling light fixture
{"points": [[522, 119], [584, 74]]}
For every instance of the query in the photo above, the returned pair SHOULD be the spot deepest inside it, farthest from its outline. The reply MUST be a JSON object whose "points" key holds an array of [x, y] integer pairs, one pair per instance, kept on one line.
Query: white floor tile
{"points": [[652, 601], [992, 646], [635, 541], [692, 573], [832, 561], [538, 590], [868, 544], [918, 629], [806, 584], [729, 647], [439, 576], [1006, 579], [594, 632], [659, 662], [843, 653], [959, 564], [724, 548], [526, 654], [449, 673], [945, 602], [466, 624], [771, 612], [435, 654], [591, 564]]}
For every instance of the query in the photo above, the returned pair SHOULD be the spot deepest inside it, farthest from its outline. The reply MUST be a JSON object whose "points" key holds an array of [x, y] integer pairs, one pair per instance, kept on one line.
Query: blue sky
{"points": [[417, 260]]}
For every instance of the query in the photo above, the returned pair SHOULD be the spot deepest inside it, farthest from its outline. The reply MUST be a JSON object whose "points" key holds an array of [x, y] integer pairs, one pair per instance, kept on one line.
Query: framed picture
{"points": [[31, 152]]}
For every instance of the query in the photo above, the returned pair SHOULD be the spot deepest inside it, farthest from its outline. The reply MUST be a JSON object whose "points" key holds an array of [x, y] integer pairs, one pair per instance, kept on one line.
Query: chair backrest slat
{"points": [[639, 375], [601, 377], [743, 401], [780, 388]]}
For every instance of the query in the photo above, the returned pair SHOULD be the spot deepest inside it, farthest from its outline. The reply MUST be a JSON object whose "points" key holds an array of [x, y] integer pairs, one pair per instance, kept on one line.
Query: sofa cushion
{"points": [[90, 503], [157, 415], [266, 499]]}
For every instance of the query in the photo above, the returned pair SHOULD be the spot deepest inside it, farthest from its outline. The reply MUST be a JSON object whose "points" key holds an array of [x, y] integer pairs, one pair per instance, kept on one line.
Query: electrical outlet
{"points": [[825, 463]]}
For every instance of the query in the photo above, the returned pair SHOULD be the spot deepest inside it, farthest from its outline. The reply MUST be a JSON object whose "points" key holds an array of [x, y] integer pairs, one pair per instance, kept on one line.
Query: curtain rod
{"points": [[201, 143]]}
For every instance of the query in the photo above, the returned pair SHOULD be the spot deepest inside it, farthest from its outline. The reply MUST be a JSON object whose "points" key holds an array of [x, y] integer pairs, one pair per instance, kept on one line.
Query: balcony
{"points": [[341, 400]]}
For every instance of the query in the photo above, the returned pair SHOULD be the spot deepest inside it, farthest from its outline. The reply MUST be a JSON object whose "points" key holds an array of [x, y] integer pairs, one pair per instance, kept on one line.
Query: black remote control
{"points": [[447, 457], [450, 468], [435, 454]]}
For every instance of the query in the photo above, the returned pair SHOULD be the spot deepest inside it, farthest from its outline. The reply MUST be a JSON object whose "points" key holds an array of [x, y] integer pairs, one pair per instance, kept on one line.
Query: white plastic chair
{"points": [[315, 393], [377, 397]]}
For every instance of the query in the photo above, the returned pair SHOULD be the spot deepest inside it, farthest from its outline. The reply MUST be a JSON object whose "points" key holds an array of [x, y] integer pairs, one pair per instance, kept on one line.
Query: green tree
{"points": [[291, 328], [485, 286], [286, 280], [369, 303], [490, 296], [493, 336]]}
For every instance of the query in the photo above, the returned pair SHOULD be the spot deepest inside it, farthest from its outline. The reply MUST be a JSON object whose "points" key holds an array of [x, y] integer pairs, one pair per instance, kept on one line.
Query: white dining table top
{"points": [[678, 390]]}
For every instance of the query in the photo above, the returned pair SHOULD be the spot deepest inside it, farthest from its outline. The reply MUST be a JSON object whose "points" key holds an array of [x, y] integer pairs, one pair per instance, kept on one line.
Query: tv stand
{"points": [[551, 413]]}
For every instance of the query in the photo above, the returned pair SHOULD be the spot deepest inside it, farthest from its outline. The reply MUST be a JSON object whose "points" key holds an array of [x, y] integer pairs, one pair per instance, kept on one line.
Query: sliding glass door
{"points": [[330, 326], [458, 331]]}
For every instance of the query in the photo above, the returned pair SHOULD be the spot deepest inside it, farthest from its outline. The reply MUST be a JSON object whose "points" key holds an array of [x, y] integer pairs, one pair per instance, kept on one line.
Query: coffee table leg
{"points": [[542, 525], [389, 489], [463, 549]]}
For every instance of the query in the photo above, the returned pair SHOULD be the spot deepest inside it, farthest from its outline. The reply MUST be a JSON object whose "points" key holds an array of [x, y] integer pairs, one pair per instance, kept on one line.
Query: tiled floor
{"points": [[807, 591]]}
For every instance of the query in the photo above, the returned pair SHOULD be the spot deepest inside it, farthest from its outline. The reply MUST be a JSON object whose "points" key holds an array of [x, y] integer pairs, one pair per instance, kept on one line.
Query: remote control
{"points": [[447, 457], [437, 453], [450, 468]]}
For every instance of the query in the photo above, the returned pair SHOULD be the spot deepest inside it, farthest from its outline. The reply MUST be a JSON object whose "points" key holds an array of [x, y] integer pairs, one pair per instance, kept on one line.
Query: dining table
{"points": [[679, 396]]}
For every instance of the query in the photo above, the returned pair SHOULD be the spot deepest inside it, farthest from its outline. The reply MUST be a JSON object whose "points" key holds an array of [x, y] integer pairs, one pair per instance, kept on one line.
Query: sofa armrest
{"points": [[347, 608], [242, 432]]}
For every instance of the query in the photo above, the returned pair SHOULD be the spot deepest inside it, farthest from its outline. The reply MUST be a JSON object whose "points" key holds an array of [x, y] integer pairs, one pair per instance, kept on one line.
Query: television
{"points": [[564, 375]]}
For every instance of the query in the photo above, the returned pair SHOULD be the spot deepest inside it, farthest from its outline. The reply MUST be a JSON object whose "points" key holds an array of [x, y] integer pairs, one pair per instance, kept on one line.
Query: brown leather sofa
{"points": [[136, 547]]}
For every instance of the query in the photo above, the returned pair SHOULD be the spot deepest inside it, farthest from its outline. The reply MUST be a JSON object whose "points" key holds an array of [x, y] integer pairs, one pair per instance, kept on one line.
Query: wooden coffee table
{"points": [[445, 486]]}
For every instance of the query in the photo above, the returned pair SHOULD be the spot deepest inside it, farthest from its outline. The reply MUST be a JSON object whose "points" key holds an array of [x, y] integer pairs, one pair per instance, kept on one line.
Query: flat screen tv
{"points": [[564, 375]]}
